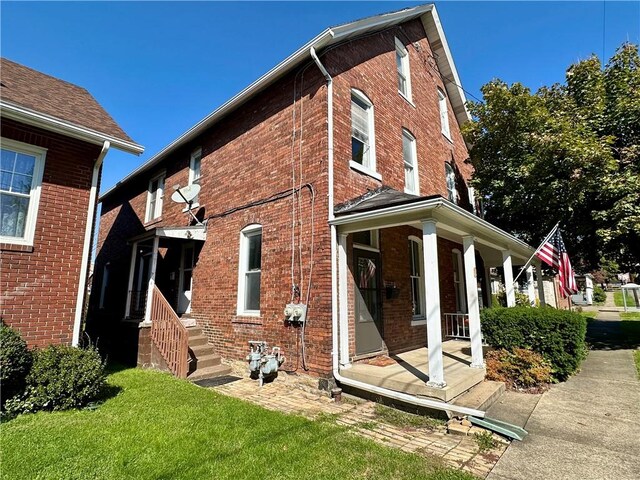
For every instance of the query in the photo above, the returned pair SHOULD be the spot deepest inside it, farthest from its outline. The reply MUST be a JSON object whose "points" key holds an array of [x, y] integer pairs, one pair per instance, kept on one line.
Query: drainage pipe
{"points": [[86, 249]]}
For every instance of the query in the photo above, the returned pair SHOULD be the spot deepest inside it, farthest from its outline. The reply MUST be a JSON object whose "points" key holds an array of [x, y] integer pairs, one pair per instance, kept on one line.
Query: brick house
{"points": [[54, 139], [338, 181]]}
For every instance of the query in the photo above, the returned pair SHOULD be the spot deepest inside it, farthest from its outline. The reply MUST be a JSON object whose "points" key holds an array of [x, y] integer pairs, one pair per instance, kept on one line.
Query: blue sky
{"points": [[158, 68]]}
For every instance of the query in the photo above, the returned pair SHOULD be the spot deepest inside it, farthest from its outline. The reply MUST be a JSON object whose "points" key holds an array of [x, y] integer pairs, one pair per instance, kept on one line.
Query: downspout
{"points": [[86, 249], [423, 402]]}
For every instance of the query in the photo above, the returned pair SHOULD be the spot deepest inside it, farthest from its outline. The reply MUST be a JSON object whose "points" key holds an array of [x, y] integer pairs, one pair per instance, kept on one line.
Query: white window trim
{"points": [[375, 242], [445, 128], [192, 160], [454, 189], [371, 169], [417, 320], [460, 285], [151, 216], [414, 151], [243, 259], [400, 48], [34, 193]]}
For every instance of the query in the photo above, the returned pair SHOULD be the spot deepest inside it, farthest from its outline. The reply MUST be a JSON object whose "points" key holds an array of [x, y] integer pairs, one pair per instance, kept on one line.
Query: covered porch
{"points": [[427, 324]]}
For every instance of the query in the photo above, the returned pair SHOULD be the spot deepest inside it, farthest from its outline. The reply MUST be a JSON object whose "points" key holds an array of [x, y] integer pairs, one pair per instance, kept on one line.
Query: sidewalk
{"points": [[587, 427]]}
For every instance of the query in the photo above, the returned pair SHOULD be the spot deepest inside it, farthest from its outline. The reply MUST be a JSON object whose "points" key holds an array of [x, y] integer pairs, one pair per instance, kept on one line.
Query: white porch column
{"points": [[508, 278], [132, 270], [540, 285], [343, 312], [531, 291], [432, 293], [152, 279], [487, 282], [471, 282]]}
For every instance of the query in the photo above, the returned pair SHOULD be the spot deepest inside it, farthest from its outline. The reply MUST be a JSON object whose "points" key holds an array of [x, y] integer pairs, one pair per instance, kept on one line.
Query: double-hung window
{"points": [[450, 177], [416, 272], [458, 281], [402, 65], [155, 195], [21, 169], [362, 133], [444, 114], [410, 163], [250, 269], [194, 171]]}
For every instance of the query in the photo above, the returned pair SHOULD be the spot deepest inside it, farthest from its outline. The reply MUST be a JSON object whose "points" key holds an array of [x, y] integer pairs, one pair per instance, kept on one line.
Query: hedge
{"points": [[15, 363], [557, 335]]}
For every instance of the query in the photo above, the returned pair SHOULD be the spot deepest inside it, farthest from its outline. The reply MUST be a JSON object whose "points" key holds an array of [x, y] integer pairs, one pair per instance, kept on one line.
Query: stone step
{"points": [[198, 340], [481, 396], [207, 361], [209, 372], [194, 331], [201, 350]]}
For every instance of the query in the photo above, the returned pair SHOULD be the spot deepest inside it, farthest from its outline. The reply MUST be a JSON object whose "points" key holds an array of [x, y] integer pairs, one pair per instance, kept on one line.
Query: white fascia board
{"points": [[53, 124]]}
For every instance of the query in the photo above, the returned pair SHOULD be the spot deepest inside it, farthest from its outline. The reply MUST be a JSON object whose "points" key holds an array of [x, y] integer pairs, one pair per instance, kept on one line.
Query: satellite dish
{"points": [[186, 194]]}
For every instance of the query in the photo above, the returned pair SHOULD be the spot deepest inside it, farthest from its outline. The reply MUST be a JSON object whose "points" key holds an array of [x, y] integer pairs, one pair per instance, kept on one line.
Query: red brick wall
{"points": [[40, 287]]}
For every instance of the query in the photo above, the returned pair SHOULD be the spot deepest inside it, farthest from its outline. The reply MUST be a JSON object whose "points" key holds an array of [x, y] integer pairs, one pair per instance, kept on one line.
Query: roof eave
{"points": [[48, 122]]}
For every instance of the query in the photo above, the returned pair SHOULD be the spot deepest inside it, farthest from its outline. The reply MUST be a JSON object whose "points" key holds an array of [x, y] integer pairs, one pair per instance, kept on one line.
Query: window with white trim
{"points": [[444, 114], [367, 240], [155, 196], [410, 158], [21, 169], [402, 65], [458, 281], [450, 177], [416, 273], [362, 134], [103, 287], [194, 171], [250, 269]]}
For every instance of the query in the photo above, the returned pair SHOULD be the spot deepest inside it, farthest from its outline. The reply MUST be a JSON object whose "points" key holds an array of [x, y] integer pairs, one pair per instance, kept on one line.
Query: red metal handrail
{"points": [[169, 335]]}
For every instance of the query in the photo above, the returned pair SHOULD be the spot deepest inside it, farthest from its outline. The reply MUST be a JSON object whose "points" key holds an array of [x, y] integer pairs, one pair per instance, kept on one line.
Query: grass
{"points": [[636, 360], [157, 427], [589, 315], [619, 301], [630, 315], [402, 419]]}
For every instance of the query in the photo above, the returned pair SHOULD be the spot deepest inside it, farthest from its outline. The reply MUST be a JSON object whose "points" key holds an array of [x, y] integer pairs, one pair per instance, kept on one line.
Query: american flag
{"points": [[554, 253]]}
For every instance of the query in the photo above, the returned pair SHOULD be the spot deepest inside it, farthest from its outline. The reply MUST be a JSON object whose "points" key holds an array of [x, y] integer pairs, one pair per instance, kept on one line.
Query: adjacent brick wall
{"points": [[40, 285]]}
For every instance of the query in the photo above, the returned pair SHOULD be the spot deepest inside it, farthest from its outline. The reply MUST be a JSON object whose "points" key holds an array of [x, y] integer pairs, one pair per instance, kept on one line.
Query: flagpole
{"points": [[534, 253]]}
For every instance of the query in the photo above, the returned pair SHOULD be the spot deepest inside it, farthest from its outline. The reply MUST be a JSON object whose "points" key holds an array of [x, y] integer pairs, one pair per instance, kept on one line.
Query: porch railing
{"points": [[169, 335], [457, 325], [138, 303]]}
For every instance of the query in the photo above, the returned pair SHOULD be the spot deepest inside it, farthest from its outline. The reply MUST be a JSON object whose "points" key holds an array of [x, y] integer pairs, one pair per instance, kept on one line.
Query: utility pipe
{"points": [[86, 249], [413, 400]]}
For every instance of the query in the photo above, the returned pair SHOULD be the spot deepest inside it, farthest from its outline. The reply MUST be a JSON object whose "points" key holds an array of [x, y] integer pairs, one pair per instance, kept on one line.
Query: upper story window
{"points": [[250, 270], [21, 169], [194, 171], [444, 114], [402, 64], [450, 176], [410, 163], [367, 240], [416, 273], [362, 133], [155, 195]]}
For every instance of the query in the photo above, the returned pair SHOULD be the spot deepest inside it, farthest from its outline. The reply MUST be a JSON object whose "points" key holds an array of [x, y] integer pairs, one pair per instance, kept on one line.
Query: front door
{"points": [[368, 302], [185, 282]]}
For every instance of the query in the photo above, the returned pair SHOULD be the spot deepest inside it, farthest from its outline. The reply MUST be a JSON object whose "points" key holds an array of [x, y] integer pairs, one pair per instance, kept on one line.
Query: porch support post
{"points": [[473, 307], [540, 285], [152, 279], [531, 290], [343, 319], [508, 278], [432, 291], [487, 282], [132, 270]]}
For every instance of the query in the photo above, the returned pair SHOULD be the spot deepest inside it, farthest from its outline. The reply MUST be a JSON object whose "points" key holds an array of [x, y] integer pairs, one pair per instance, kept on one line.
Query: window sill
{"points": [[16, 247], [448, 137], [362, 169], [246, 318], [153, 222], [410, 192], [418, 321], [407, 99]]}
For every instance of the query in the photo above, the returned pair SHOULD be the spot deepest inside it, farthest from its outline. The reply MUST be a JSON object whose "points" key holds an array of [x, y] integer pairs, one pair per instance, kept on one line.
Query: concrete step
{"points": [[201, 350], [198, 340], [481, 396], [209, 372], [207, 361], [194, 331]]}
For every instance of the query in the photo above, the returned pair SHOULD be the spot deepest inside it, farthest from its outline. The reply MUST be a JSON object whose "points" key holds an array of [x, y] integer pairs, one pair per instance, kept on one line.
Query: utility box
{"points": [[295, 313]]}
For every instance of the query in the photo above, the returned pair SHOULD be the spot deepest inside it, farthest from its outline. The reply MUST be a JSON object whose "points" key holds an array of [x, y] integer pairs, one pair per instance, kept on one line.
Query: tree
{"points": [[568, 153]]}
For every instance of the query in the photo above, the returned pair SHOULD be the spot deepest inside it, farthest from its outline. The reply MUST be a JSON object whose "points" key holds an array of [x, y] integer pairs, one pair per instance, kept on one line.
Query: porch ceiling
{"points": [[452, 222]]}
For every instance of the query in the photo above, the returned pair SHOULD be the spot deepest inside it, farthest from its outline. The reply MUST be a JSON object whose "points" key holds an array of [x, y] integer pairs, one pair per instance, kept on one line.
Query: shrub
{"points": [[557, 335], [61, 378], [599, 295], [522, 299], [15, 362], [521, 369]]}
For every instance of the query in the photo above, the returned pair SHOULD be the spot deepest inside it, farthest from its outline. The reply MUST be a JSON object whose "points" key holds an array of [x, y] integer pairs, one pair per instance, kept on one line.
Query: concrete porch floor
{"points": [[410, 373]]}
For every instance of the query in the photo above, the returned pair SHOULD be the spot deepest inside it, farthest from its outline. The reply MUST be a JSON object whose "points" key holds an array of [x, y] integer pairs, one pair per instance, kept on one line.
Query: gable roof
{"points": [[38, 99], [331, 36]]}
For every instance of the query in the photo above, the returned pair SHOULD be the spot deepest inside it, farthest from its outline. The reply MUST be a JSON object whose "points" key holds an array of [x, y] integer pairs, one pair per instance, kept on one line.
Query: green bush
{"points": [[522, 299], [15, 362], [521, 369], [557, 335], [61, 378], [599, 295]]}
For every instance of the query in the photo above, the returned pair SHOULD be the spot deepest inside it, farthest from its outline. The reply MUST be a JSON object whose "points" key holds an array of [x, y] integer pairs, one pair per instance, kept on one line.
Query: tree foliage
{"points": [[570, 153]]}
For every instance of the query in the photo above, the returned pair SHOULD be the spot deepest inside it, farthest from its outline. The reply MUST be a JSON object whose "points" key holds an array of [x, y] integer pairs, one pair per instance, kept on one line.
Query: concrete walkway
{"points": [[587, 427]]}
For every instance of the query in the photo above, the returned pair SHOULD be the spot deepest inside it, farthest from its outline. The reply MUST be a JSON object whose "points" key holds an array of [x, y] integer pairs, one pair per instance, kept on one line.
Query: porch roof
{"points": [[387, 207], [195, 232]]}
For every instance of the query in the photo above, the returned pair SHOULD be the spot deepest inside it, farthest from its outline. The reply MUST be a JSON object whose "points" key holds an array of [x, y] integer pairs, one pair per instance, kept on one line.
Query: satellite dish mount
{"points": [[187, 195]]}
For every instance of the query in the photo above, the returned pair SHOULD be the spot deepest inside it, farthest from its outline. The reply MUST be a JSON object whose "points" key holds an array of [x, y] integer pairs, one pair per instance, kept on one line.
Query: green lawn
{"points": [[619, 301], [589, 314], [158, 427], [636, 359], [630, 315]]}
